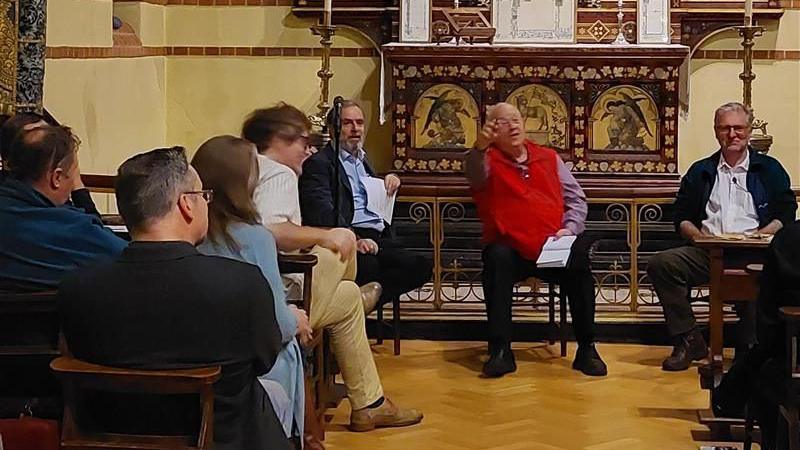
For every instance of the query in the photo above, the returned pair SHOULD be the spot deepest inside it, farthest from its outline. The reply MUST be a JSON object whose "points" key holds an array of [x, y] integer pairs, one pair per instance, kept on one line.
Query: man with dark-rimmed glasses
{"points": [[734, 191], [163, 305]]}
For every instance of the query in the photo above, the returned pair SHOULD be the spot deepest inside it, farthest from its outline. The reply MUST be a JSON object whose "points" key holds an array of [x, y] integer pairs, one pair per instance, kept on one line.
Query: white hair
{"points": [[491, 112], [734, 107]]}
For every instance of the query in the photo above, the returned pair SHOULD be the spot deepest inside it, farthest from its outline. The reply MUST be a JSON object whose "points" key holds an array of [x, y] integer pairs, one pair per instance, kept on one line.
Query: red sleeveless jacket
{"points": [[517, 210]]}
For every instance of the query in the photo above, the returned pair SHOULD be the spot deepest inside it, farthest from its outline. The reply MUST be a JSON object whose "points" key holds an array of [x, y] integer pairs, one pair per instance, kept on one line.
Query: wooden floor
{"points": [[545, 405]]}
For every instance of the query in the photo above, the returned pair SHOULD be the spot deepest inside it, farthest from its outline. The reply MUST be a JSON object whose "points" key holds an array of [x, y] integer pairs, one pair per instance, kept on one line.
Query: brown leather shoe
{"points": [[370, 294], [386, 415], [691, 347]]}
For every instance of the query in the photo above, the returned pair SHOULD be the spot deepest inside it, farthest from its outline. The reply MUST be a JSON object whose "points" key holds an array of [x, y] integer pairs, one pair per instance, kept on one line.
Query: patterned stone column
{"points": [[31, 54]]}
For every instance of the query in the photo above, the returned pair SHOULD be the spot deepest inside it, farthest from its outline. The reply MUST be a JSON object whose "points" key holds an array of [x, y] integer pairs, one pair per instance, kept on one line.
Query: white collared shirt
{"points": [[353, 165], [730, 208], [276, 196]]}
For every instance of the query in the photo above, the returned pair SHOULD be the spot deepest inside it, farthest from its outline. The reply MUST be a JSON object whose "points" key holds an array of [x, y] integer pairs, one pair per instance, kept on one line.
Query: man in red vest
{"points": [[525, 194]]}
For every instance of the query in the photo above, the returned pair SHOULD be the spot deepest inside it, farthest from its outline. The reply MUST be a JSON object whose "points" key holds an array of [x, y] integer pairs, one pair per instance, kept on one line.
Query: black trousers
{"points": [[503, 267], [395, 268]]}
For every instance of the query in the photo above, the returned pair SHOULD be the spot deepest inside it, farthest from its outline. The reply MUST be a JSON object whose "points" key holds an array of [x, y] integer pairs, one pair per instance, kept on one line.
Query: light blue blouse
{"points": [[257, 247]]}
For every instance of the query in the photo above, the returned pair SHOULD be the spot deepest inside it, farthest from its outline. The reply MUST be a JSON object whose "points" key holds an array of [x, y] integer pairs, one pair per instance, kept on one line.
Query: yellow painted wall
{"points": [[245, 26], [115, 106], [208, 96], [79, 23], [776, 94], [212, 95]]}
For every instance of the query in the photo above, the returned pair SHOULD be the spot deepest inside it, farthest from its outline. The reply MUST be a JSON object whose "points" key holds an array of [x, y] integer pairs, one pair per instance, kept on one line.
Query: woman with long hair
{"points": [[227, 165]]}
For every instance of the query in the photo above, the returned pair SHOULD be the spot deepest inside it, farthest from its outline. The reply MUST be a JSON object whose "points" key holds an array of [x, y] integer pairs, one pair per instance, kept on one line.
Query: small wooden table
{"points": [[727, 284]]}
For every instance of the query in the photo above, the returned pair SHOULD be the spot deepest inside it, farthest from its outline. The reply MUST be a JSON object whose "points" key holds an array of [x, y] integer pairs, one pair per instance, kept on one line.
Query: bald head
{"points": [[38, 150], [45, 157], [502, 110]]}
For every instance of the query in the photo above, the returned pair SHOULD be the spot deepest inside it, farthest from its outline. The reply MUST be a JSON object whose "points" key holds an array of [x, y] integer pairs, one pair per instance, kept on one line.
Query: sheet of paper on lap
{"points": [[555, 252], [378, 200]]}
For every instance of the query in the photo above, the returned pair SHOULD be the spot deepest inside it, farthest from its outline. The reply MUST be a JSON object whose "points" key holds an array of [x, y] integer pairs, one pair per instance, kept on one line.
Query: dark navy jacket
{"points": [[317, 185], [767, 182], [40, 243]]}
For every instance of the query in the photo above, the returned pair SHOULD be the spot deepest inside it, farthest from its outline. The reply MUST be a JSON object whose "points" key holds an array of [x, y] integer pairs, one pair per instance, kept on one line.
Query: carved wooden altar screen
{"points": [[607, 110]]}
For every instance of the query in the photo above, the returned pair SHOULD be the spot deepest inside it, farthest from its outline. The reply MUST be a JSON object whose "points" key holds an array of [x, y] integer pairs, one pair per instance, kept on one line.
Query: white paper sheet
{"points": [[555, 252], [117, 228], [378, 200]]}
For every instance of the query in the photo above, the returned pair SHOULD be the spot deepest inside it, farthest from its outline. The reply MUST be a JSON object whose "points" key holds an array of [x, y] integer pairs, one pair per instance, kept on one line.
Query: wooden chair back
{"points": [[29, 324], [29, 335], [77, 375], [789, 408], [318, 379]]}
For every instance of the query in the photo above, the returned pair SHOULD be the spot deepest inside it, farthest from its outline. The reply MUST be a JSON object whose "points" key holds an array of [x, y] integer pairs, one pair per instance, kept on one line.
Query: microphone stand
{"points": [[337, 132]]}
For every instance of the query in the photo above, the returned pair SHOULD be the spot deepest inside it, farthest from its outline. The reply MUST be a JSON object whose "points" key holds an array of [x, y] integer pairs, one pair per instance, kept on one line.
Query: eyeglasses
{"points": [[207, 194], [508, 122], [523, 172], [738, 129]]}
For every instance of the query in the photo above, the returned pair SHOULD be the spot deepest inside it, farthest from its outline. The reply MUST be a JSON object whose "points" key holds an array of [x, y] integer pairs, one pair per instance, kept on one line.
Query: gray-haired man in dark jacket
{"points": [[733, 191]]}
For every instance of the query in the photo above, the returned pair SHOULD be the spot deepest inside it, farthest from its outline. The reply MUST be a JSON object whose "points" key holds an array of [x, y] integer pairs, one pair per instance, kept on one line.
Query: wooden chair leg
{"points": [[314, 427], [551, 312], [793, 427], [748, 428], [781, 437], [562, 306], [396, 324], [379, 330]]}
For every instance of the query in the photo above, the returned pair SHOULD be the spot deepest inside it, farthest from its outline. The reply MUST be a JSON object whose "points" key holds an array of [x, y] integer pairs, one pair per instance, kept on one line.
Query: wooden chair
{"points": [[78, 375], [791, 401], [557, 329], [318, 377], [788, 396], [29, 331], [395, 326], [29, 324]]}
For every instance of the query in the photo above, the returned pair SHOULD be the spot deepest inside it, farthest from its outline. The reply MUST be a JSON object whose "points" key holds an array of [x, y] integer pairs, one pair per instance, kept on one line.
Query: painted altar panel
{"points": [[604, 115]]}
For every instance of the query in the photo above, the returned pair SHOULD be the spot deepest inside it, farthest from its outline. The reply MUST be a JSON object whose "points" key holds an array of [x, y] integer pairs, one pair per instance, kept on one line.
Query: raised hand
{"points": [[487, 135]]}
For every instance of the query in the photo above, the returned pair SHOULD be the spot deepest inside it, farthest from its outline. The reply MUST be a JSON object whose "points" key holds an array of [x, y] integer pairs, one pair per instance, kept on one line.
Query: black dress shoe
{"points": [[691, 347], [500, 363], [588, 361]]}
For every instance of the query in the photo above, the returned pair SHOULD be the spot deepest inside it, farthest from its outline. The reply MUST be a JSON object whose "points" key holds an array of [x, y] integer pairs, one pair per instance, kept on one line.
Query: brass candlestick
{"points": [[325, 31], [760, 142], [620, 39], [748, 33]]}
